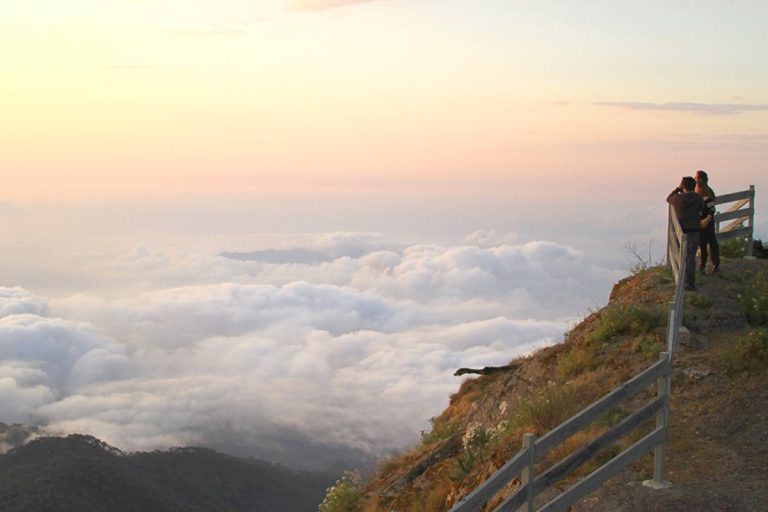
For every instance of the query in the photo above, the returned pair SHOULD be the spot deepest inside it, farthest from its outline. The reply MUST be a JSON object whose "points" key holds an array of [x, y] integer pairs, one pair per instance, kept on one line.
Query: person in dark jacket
{"points": [[707, 235], [689, 207]]}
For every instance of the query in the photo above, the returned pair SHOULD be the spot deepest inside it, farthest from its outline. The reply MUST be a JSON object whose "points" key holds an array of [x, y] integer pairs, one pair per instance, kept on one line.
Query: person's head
{"points": [[688, 184], [701, 177]]}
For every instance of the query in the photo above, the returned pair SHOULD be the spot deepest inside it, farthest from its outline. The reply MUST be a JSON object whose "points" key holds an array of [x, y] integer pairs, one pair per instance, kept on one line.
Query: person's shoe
{"points": [[716, 269], [690, 288], [703, 269]]}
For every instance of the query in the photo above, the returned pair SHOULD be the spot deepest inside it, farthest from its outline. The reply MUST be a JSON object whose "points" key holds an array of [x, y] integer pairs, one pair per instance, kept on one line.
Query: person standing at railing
{"points": [[707, 236], [702, 180], [689, 207]]}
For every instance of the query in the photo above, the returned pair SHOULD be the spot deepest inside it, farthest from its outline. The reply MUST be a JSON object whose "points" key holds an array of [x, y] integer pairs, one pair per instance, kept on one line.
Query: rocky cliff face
{"points": [[717, 455]]}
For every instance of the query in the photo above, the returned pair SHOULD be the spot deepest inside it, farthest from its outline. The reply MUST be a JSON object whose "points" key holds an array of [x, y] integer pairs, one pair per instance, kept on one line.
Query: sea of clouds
{"points": [[338, 348]]}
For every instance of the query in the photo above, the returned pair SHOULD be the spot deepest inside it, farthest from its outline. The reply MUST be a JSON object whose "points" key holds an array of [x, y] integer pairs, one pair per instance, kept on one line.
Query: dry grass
{"points": [[579, 359]]}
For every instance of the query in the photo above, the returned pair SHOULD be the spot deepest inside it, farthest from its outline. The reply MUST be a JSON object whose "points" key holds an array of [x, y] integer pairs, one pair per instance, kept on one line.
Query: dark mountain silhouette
{"points": [[16, 435], [80, 473]]}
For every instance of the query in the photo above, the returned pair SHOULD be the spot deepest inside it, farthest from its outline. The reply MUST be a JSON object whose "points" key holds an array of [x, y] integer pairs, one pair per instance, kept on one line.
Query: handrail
{"points": [[582, 455], [676, 246], [741, 214], [734, 196], [598, 408], [606, 472], [736, 214], [526, 457], [494, 483]]}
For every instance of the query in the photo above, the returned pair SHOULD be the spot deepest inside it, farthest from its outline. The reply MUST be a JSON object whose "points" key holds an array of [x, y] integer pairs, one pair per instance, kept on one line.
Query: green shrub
{"points": [[475, 437], [577, 360], [733, 248], [473, 441], [698, 300], [629, 319], [548, 408], [441, 430], [464, 464], [345, 495], [648, 344], [754, 346], [612, 417], [751, 353], [754, 299]]}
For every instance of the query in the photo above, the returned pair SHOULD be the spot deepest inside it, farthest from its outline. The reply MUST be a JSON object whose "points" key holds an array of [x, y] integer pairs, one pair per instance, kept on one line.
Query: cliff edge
{"points": [[717, 450]]}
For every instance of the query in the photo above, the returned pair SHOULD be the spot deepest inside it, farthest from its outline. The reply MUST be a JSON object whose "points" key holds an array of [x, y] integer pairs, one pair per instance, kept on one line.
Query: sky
{"points": [[262, 225]]}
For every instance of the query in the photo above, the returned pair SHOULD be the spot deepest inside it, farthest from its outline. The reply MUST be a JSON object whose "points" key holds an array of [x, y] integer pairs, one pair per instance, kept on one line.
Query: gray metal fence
{"points": [[523, 464], [741, 213]]}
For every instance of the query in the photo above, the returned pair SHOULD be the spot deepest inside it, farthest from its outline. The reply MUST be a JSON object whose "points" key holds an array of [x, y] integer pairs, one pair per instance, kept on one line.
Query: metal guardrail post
{"points": [[669, 237], [528, 475], [672, 325], [751, 221], [662, 420]]}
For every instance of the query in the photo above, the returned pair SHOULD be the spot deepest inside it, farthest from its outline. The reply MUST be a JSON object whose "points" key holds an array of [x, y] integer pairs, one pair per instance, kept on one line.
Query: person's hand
{"points": [[705, 222]]}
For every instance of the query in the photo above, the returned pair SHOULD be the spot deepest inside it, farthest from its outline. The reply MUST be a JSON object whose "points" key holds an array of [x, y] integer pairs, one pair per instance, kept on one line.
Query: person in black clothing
{"points": [[702, 179], [689, 207], [707, 236]]}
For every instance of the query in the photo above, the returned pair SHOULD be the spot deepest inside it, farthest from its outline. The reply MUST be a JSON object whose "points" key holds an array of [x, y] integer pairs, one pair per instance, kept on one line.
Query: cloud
{"points": [[711, 109], [490, 238], [15, 301], [349, 355], [318, 5]]}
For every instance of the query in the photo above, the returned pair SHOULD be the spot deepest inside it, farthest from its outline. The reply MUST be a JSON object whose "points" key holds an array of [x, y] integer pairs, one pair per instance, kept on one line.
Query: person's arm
{"points": [[709, 210], [673, 194]]}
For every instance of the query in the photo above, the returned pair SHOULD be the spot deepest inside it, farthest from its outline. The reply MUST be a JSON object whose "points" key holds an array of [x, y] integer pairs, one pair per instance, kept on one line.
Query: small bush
{"points": [[751, 352], [630, 319], [473, 441], [733, 248], [475, 437], [548, 408], [648, 344], [577, 360], [441, 430], [464, 464], [755, 345], [612, 417], [345, 495], [754, 299], [698, 300]]}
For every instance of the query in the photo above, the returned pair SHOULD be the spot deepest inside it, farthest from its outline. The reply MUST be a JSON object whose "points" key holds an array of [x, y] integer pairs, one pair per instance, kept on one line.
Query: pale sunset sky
{"points": [[276, 227], [154, 99]]}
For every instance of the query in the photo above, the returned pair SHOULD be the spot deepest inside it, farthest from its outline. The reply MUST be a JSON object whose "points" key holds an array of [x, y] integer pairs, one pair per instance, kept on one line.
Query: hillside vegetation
{"points": [[717, 451]]}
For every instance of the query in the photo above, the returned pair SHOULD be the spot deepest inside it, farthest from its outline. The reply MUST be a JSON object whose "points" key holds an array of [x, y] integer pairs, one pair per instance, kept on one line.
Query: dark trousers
{"points": [[690, 257], [708, 238]]}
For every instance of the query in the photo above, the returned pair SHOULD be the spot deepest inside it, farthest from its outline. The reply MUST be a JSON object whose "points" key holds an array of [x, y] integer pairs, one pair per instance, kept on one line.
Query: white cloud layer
{"points": [[352, 351]]}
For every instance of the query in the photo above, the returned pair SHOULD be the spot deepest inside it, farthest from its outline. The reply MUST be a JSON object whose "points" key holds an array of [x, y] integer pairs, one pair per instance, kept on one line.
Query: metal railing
{"points": [[741, 214], [676, 246], [524, 463]]}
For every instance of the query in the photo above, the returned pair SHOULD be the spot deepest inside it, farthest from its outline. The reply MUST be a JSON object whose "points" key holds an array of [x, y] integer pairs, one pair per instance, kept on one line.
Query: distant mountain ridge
{"points": [[80, 473], [16, 434]]}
